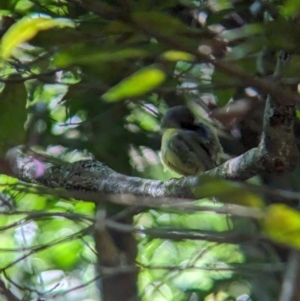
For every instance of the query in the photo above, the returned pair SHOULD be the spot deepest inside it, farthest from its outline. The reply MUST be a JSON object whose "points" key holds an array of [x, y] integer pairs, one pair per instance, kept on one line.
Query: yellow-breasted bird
{"points": [[188, 147]]}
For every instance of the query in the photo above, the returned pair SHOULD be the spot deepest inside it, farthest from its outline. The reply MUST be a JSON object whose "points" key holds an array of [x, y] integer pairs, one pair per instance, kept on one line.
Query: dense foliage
{"points": [[91, 79]]}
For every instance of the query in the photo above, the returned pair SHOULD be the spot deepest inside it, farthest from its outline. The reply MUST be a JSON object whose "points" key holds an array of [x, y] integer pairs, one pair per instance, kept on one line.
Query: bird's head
{"points": [[178, 117]]}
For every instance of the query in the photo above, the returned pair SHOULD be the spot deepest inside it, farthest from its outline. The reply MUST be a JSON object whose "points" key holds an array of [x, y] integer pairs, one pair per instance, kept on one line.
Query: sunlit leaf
{"points": [[85, 208], [26, 29], [8, 241], [282, 224], [32, 201], [228, 192], [65, 255], [290, 7], [137, 84], [6, 180], [173, 55]]}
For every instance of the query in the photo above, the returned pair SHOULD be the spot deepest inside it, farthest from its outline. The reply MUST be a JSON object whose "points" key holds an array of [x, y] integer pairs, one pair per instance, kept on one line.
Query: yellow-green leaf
{"points": [[25, 29], [65, 255], [281, 223], [174, 55], [78, 55], [139, 83], [227, 192], [290, 7]]}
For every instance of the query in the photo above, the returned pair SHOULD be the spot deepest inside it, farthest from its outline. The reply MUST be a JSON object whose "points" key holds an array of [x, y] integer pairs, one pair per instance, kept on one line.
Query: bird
{"points": [[188, 147]]}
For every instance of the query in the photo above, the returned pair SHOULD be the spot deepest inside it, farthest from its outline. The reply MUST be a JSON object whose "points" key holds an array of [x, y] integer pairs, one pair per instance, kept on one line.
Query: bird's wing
{"points": [[199, 146], [210, 141], [203, 136], [183, 152]]}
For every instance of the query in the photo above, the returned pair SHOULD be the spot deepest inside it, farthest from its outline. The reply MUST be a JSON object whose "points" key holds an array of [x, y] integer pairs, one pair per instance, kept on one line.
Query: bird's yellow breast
{"points": [[188, 147], [177, 154]]}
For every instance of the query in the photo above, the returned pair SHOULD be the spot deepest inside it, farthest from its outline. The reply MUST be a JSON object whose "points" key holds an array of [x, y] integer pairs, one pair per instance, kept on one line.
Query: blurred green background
{"points": [[91, 79]]}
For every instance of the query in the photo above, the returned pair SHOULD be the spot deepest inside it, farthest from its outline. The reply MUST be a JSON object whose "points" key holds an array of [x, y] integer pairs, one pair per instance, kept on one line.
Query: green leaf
{"points": [[227, 192], [174, 56], [117, 27], [83, 55], [290, 7], [291, 69], [139, 83], [281, 34], [154, 23], [13, 114], [65, 255], [32, 202], [221, 79], [25, 29]]}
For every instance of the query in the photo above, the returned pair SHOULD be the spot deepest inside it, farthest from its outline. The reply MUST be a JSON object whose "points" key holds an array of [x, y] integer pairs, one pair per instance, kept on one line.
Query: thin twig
{"points": [[290, 276]]}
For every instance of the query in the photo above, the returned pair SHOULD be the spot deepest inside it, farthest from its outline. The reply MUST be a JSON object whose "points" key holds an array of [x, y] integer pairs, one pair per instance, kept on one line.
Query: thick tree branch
{"points": [[94, 176], [277, 153]]}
